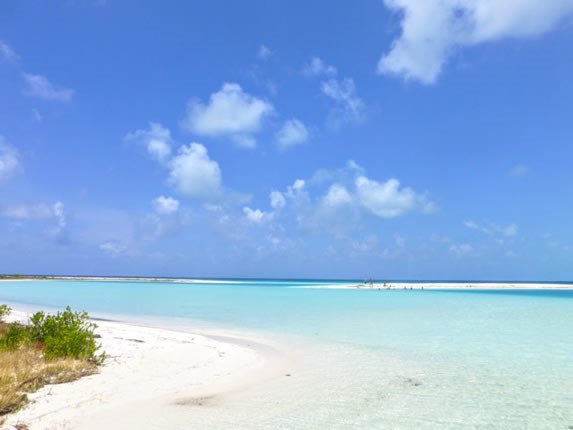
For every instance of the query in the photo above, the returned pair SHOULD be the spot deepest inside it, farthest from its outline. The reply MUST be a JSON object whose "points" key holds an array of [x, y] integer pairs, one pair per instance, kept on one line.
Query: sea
{"points": [[364, 358]]}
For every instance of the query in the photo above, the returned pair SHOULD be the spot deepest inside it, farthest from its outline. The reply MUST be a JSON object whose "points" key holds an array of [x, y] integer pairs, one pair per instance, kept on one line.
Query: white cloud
{"points": [[37, 115], [58, 210], [440, 238], [432, 30], [113, 248], [367, 245], [349, 107], [493, 229], [277, 199], [337, 196], [8, 53], [471, 224], [460, 250], [387, 199], [27, 212], [156, 139], [165, 205], [296, 188], [257, 216], [40, 211], [292, 133], [9, 160], [192, 173], [60, 232], [264, 53], [400, 241], [230, 112], [519, 170], [510, 230], [38, 86], [317, 67]]}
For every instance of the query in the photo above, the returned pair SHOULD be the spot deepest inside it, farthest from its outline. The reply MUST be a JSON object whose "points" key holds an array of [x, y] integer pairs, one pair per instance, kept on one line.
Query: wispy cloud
{"points": [[9, 160], [264, 52], [317, 68], [493, 229], [7, 53], [40, 87], [519, 171], [348, 107]]}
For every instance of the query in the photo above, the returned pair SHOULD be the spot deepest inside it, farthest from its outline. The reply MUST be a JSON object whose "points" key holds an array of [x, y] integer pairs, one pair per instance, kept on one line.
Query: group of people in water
{"points": [[387, 286]]}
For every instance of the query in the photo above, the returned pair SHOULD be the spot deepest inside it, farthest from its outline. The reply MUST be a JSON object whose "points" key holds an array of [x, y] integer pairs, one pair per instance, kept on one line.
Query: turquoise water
{"points": [[369, 358]]}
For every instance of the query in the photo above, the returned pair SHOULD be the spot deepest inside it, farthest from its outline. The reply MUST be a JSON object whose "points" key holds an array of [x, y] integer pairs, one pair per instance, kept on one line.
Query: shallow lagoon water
{"points": [[365, 358]]}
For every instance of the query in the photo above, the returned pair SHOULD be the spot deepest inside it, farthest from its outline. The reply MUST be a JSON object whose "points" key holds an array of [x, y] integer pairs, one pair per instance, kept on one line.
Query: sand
{"points": [[448, 286], [152, 378]]}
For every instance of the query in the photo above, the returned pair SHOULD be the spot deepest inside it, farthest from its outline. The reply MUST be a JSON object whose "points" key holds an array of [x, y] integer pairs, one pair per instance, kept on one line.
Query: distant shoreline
{"points": [[392, 285]]}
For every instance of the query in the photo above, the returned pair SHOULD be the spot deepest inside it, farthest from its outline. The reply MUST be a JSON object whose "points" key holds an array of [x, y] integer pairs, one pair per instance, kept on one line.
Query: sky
{"points": [[393, 139]]}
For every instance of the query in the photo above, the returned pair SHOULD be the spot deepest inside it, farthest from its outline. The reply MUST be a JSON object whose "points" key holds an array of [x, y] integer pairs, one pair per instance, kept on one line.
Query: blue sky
{"points": [[375, 138]]}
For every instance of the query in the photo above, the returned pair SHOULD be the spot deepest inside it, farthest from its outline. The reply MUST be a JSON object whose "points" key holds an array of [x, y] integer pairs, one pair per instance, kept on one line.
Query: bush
{"points": [[63, 335], [15, 336], [4, 311], [66, 334]]}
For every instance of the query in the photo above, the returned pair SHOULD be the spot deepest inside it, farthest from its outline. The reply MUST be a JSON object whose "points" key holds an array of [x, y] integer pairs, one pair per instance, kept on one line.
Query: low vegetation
{"points": [[51, 349]]}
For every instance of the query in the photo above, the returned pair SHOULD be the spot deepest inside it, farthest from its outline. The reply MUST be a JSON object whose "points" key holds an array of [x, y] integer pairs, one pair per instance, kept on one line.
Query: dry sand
{"points": [[151, 379]]}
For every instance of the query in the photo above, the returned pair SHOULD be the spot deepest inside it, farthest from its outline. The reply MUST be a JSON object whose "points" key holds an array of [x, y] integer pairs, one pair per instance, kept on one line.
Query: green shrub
{"points": [[15, 336], [66, 334], [4, 311]]}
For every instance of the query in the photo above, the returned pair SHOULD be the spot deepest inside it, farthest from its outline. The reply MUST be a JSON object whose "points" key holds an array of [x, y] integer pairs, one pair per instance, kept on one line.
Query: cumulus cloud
{"points": [[317, 67], [156, 139], [337, 196], [165, 205], [193, 174], [432, 30], [9, 160], [277, 199], [292, 133], [40, 87], [8, 53], [256, 215], [388, 199], [231, 113]]}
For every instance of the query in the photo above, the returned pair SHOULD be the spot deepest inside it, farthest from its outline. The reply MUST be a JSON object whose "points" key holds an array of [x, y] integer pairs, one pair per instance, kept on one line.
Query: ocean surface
{"points": [[363, 358]]}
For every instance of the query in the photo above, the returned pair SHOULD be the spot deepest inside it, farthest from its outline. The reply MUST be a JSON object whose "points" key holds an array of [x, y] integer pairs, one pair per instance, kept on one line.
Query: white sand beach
{"points": [[151, 379], [447, 286]]}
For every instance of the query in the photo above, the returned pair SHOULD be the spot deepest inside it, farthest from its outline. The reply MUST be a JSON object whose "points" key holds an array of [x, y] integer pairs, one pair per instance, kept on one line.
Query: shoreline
{"points": [[484, 286], [391, 285], [150, 372]]}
